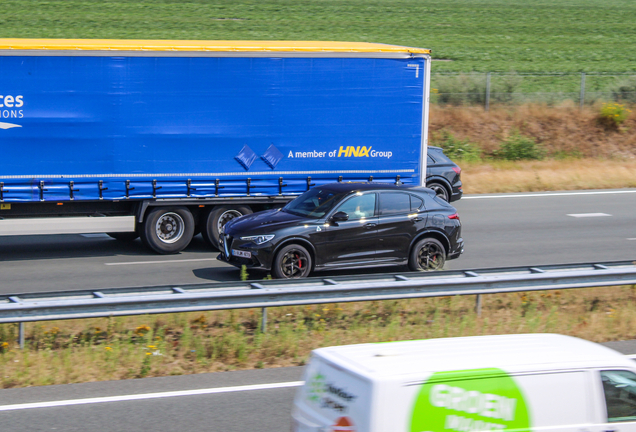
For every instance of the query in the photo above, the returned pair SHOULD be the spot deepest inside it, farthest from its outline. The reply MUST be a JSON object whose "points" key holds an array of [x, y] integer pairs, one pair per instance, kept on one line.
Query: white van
{"points": [[538, 382]]}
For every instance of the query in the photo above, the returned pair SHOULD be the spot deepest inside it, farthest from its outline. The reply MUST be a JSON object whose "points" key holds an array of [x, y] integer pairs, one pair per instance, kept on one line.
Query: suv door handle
{"points": [[417, 219], [369, 225]]}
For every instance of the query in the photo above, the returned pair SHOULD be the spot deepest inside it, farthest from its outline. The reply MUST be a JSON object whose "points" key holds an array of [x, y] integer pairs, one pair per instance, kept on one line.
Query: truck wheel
{"points": [[215, 218], [428, 254], [292, 262], [167, 230], [124, 236]]}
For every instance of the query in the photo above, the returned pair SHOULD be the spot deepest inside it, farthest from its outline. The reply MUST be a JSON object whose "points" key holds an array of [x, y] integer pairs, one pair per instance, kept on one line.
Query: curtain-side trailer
{"points": [[163, 139]]}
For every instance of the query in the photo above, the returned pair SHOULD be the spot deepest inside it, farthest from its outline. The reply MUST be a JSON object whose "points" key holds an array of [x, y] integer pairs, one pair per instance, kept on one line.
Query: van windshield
{"points": [[314, 203]]}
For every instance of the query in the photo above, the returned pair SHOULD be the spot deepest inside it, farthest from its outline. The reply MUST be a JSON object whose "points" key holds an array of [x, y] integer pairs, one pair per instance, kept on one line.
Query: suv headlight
{"points": [[259, 239]]}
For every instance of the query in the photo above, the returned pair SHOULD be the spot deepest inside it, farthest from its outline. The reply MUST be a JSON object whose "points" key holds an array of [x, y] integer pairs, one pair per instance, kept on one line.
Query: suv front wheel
{"points": [[292, 262]]}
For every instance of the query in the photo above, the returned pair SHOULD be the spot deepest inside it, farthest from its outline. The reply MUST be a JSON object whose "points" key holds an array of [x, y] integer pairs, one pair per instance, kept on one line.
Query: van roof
{"points": [[512, 353], [206, 46]]}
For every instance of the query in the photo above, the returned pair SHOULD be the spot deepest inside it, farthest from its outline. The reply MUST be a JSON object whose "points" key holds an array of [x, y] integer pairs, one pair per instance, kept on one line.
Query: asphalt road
{"points": [[499, 230], [217, 402], [510, 230]]}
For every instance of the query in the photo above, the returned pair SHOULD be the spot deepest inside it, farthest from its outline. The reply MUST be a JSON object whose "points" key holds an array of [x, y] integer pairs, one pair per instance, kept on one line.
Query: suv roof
{"points": [[364, 186]]}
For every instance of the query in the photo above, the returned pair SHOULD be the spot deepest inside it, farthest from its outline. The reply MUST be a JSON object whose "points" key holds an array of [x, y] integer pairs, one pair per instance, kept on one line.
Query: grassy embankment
{"points": [[575, 149]]}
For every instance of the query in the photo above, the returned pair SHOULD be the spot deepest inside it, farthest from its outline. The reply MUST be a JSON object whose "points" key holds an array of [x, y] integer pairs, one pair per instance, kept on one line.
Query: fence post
{"points": [[582, 95], [21, 331], [264, 320], [478, 305], [487, 106]]}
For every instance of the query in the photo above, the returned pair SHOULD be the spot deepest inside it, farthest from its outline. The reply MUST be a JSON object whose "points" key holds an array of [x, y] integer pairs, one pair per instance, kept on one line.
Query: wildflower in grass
{"points": [[108, 348], [613, 115], [152, 347], [4, 347], [148, 353], [142, 330]]}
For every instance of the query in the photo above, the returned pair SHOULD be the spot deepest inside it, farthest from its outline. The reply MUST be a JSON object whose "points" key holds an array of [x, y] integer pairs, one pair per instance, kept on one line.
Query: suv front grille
{"points": [[227, 244]]}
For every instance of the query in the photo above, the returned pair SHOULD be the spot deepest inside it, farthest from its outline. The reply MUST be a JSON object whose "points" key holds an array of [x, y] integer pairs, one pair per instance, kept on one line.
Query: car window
{"points": [[359, 206], [314, 203], [430, 160], [619, 388], [416, 203], [394, 203]]}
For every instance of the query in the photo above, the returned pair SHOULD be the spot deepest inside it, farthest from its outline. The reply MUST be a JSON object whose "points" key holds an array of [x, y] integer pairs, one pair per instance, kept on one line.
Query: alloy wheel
{"points": [[294, 264], [430, 256]]}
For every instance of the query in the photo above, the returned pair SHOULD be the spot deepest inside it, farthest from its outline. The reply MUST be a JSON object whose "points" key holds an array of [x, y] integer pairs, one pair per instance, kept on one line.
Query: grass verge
{"points": [[133, 347], [547, 175]]}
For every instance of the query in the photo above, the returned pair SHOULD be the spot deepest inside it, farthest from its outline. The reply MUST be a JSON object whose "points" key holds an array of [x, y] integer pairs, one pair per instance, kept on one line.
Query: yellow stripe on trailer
{"points": [[207, 46]]}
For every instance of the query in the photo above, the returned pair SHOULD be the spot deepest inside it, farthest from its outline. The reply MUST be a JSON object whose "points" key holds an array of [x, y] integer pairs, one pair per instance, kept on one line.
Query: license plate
{"points": [[242, 254]]}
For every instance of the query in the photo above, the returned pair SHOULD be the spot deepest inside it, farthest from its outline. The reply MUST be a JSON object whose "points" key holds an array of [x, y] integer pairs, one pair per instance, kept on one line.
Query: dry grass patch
{"points": [[547, 175], [132, 347], [562, 130]]}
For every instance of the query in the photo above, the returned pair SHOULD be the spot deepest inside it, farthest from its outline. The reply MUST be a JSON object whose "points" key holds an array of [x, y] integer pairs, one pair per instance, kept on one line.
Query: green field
{"points": [[476, 35]]}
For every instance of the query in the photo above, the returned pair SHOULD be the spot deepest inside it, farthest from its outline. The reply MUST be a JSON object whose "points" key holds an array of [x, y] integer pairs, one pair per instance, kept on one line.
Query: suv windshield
{"points": [[314, 203]]}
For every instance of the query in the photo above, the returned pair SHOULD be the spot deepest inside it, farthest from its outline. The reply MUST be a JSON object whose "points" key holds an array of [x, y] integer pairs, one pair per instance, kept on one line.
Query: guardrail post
{"points": [[21, 332], [478, 305], [487, 105], [582, 95], [264, 320]]}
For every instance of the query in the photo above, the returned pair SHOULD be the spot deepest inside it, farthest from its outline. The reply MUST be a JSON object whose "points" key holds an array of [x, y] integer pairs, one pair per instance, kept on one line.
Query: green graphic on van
{"points": [[470, 400], [316, 387]]}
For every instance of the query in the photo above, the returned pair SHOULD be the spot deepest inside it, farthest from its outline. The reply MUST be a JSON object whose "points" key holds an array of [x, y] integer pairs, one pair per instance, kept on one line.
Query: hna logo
{"points": [[354, 151], [8, 104]]}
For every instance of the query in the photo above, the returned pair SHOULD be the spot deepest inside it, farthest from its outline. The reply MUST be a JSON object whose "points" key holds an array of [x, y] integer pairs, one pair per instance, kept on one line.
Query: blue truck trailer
{"points": [[163, 139]]}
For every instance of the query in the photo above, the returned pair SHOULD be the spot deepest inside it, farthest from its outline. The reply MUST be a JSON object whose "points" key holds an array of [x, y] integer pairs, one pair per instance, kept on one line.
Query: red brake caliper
{"points": [[300, 263]]}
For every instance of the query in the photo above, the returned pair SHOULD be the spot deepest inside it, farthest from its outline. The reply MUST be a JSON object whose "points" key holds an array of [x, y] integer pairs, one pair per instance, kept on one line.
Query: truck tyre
{"points": [[124, 236], [292, 262], [167, 230], [428, 254], [212, 221]]}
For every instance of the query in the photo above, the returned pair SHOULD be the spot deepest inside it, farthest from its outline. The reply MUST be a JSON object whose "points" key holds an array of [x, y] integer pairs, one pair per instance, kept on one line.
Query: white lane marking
{"points": [[161, 262], [632, 238], [149, 396], [586, 215], [533, 195]]}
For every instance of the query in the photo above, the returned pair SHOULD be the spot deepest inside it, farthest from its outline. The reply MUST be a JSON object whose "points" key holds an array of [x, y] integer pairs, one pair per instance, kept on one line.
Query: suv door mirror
{"points": [[340, 217]]}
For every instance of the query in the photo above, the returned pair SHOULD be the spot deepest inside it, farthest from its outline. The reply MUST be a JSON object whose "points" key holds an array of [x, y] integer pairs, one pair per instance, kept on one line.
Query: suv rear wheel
{"points": [[428, 254]]}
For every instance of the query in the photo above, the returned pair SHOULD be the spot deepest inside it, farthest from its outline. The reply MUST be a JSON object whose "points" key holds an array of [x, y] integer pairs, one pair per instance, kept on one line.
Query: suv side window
{"points": [[416, 203], [360, 206], [429, 160], [619, 388], [394, 203]]}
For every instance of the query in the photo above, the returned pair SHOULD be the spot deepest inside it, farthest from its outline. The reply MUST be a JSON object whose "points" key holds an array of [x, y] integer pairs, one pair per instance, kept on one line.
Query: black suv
{"points": [[443, 175], [346, 225]]}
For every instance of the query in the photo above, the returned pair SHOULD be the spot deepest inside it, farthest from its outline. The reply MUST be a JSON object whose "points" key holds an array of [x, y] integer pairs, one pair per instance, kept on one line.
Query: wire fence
{"points": [[490, 88]]}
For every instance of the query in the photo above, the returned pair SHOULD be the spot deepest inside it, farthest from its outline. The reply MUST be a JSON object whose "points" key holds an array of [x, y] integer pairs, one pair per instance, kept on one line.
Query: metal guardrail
{"points": [[253, 294]]}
